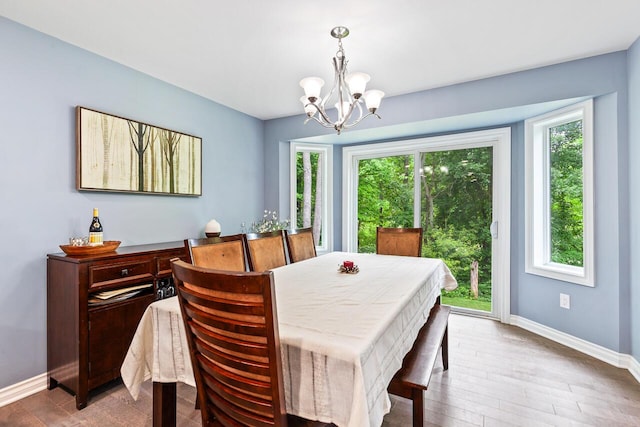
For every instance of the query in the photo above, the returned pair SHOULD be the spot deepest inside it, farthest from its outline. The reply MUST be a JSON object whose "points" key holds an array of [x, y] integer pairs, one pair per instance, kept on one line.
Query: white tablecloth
{"points": [[343, 336], [159, 349]]}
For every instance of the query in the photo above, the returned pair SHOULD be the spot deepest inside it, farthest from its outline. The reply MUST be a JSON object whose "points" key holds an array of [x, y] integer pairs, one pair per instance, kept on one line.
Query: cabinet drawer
{"points": [[122, 273], [163, 263]]}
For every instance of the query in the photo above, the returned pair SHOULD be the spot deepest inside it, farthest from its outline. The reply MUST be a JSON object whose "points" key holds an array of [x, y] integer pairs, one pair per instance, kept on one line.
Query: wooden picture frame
{"points": [[122, 155]]}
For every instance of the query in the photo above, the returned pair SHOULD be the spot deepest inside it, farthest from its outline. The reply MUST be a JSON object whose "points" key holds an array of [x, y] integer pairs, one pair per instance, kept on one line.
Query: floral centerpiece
{"points": [[269, 222]]}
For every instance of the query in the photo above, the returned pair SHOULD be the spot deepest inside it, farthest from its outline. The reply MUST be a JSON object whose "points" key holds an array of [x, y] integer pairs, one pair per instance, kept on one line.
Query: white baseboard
{"points": [[634, 368], [23, 389], [611, 357]]}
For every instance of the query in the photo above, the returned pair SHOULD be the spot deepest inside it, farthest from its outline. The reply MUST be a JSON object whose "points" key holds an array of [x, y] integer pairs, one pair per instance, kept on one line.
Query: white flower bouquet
{"points": [[269, 222]]}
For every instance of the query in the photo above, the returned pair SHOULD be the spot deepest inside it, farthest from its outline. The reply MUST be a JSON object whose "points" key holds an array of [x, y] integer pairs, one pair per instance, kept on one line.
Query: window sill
{"points": [[565, 273]]}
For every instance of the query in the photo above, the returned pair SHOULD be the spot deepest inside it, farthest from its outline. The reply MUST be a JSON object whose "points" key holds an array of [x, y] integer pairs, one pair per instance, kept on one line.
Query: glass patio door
{"points": [[450, 190], [456, 215]]}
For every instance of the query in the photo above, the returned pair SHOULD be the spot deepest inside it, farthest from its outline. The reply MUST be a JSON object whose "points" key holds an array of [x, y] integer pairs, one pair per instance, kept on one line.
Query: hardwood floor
{"points": [[498, 375]]}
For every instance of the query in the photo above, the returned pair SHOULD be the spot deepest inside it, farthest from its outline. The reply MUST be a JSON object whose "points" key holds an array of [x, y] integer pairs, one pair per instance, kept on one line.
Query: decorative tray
{"points": [[107, 246], [352, 270]]}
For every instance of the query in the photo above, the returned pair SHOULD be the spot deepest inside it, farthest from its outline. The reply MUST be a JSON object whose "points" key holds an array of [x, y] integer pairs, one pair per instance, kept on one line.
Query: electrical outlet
{"points": [[565, 301]]}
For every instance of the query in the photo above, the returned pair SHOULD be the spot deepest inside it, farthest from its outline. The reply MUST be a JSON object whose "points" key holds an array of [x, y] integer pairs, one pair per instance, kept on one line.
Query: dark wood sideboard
{"points": [[86, 343]]}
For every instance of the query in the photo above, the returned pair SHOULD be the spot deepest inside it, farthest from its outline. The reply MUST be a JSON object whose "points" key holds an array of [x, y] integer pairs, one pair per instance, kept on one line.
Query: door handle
{"points": [[493, 228]]}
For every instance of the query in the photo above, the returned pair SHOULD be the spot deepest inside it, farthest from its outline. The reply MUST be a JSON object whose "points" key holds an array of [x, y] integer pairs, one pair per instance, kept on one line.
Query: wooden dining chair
{"points": [[265, 250], [221, 253], [300, 243], [399, 241], [232, 331]]}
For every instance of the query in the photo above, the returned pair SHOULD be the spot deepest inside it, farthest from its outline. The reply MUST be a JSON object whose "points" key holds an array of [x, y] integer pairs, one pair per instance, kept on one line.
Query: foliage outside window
{"points": [[559, 194], [385, 197], [565, 149], [310, 181], [457, 211]]}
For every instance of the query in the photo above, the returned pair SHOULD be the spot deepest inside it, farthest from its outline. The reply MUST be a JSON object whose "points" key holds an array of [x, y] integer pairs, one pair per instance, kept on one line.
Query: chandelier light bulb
{"points": [[312, 87], [357, 83], [372, 99], [308, 106]]}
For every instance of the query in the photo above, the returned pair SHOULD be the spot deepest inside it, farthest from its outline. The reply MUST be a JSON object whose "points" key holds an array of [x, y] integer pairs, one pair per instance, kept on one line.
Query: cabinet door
{"points": [[111, 330]]}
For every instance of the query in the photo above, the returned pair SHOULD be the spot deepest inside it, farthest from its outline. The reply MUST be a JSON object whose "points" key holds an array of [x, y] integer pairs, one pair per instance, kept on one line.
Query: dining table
{"points": [[343, 335]]}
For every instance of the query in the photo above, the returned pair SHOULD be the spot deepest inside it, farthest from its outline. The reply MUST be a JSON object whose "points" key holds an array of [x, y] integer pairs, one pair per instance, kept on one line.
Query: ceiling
{"points": [[250, 55]]}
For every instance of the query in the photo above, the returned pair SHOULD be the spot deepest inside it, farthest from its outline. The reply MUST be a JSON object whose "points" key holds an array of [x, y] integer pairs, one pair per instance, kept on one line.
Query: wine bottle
{"points": [[95, 230]]}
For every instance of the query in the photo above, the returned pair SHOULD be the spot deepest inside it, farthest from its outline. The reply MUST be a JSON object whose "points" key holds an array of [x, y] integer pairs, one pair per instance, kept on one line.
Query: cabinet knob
{"points": [[124, 272]]}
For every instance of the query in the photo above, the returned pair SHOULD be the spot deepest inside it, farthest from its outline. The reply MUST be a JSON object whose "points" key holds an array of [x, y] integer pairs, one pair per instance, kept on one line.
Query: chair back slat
{"points": [[255, 389], [253, 363], [237, 415], [227, 329], [301, 244], [399, 241], [221, 253], [265, 250], [232, 331]]}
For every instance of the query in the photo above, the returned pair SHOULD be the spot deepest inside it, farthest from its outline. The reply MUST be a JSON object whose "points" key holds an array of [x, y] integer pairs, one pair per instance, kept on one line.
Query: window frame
{"points": [[326, 151], [537, 196]]}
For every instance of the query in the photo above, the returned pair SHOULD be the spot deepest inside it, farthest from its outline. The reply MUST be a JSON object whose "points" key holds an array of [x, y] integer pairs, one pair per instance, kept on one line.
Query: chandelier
{"points": [[346, 95]]}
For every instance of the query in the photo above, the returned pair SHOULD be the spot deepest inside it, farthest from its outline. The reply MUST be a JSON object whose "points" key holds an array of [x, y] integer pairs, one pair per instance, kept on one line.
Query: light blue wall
{"points": [[634, 193], [41, 81], [600, 315]]}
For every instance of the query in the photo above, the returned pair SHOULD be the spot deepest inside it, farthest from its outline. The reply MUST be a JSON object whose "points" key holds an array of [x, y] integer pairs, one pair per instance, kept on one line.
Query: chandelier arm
{"points": [[347, 126], [333, 88], [358, 103], [343, 88], [322, 123], [323, 114], [348, 116], [326, 98]]}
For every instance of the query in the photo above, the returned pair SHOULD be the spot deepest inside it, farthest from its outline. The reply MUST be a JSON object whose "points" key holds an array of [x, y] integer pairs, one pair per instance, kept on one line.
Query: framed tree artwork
{"points": [[123, 155]]}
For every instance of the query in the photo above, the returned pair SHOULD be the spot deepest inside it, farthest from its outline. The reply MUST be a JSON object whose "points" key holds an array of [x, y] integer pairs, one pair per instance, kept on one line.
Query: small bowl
{"points": [[106, 247]]}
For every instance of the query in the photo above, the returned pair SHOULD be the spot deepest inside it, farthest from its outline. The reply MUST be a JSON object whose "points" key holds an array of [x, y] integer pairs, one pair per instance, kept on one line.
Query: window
{"points": [[311, 171], [559, 194]]}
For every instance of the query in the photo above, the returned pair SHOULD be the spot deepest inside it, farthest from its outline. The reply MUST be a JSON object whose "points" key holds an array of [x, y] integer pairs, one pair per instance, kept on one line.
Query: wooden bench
{"points": [[413, 378]]}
